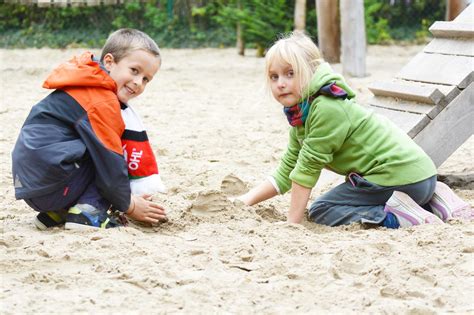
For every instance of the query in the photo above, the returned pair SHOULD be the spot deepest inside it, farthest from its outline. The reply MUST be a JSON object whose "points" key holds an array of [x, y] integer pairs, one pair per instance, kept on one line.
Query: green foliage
{"points": [[404, 20], [200, 23], [377, 28]]}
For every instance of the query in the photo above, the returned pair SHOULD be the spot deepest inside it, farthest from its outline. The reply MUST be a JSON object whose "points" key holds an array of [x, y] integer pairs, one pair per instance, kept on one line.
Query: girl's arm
{"points": [[299, 200], [259, 193]]}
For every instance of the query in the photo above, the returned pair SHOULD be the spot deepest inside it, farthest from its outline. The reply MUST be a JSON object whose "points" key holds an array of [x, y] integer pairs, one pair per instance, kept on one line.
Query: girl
{"points": [[388, 177]]}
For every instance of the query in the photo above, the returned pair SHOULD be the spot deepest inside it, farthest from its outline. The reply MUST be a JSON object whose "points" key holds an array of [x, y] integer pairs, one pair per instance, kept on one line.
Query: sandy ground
{"points": [[215, 132]]}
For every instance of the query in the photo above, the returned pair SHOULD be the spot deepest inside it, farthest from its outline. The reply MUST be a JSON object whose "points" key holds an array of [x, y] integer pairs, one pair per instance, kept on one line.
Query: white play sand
{"points": [[215, 133]]}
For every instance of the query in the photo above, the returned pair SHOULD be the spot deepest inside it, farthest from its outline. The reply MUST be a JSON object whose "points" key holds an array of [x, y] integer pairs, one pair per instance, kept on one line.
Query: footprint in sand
{"points": [[233, 186], [209, 202]]}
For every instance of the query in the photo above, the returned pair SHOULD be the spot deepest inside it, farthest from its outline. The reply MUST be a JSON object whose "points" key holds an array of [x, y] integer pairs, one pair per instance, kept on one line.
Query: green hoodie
{"points": [[344, 137]]}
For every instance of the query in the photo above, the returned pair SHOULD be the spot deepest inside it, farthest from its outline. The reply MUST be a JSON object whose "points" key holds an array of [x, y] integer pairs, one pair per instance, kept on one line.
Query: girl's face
{"points": [[283, 83], [132, 73]]}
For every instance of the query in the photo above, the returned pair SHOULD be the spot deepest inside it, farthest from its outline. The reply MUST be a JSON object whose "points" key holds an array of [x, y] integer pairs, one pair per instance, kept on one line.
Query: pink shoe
{"points": [[446, 204], [408, 212]]}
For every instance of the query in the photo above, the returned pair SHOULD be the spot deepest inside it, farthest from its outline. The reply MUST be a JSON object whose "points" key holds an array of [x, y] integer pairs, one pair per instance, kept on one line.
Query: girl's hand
{"points": [[144, 210]]}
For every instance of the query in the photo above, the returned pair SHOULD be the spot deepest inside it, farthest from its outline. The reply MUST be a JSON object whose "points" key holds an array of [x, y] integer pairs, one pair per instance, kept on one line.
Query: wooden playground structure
{"points": [[432, 97]]}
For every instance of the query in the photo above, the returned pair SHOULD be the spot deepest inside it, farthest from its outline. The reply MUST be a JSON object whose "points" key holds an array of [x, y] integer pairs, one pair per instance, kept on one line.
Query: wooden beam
{"points": [[329, 34], [451, 128], [353, 37]]}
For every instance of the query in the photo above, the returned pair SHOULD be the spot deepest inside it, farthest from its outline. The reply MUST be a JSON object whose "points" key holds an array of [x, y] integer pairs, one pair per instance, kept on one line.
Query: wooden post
{"points": [[240, 40], [353, 37], [454, 7], [240, 34], [329, 34], [300, 15]]}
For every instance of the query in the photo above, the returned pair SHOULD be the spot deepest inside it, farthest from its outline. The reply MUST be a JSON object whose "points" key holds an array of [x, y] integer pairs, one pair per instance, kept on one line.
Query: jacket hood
{"points": [[80, 71], [324, 75]]}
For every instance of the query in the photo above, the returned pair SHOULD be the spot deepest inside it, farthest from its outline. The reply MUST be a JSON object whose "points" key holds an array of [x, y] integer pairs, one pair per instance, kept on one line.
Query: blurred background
{"points": [[201, 23]]}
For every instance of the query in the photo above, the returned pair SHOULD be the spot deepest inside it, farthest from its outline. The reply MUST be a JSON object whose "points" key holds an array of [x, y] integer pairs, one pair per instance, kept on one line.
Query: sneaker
{"points": [[446, 204], [49, 219], [408, 212], [84, 216]]}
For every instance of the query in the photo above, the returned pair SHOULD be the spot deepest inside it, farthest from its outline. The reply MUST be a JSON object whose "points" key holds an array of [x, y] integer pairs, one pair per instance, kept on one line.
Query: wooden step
{"points": [[417, 92], [452, 29], [451, 46], [411, 123], [406, 106], [439, 69]]}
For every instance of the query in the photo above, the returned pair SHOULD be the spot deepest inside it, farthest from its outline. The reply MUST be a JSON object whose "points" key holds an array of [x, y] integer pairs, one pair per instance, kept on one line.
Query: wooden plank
{"points": [[449, 46], [408, 90], [451, 128], [447, 92], [466, 15], [411, 123], [452, 29], [406, 106], [439, 69]]}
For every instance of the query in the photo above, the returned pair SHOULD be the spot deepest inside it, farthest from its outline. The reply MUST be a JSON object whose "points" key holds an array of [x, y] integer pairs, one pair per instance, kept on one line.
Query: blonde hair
{"points": [[298, 50], [123, 41]]}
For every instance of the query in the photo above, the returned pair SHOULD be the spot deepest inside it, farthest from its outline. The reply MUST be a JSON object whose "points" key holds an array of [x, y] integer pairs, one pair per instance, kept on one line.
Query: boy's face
{"points": [[132, 73], [285, 87]]}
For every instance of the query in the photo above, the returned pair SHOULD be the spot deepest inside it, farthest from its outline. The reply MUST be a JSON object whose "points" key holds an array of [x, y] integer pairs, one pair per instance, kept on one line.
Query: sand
{"points": [[215, 133]]}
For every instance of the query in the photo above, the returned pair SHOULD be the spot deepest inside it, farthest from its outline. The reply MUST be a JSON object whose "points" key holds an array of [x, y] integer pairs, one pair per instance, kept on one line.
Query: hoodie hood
{"points": [[324, 75], [80, 71]]}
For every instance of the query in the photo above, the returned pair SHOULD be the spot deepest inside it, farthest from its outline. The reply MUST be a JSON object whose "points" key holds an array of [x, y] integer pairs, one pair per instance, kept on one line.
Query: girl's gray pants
{"points": [[358, 200]]}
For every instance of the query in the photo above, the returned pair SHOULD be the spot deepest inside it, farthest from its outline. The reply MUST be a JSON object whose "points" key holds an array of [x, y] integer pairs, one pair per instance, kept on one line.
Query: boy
{"points": [[68, 161]]}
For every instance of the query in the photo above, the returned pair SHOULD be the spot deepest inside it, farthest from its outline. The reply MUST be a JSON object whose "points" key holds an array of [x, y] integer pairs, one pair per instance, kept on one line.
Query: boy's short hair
{"points": [[298, 50], [123, 41]]}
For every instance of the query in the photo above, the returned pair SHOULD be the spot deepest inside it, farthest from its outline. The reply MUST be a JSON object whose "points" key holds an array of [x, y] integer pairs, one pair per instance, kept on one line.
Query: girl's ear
{"points": [[108, 61]]}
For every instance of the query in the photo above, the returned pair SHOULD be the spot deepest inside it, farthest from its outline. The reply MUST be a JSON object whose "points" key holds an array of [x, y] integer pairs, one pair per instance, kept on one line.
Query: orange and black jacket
{"points": [[79, 121]]}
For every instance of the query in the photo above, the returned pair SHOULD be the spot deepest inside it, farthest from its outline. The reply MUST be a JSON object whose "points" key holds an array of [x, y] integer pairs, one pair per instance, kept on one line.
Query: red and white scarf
{"points": [[142, 167]]}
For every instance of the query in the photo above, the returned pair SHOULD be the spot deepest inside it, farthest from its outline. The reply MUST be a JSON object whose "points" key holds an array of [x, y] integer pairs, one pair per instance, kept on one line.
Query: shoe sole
{"points": [[412, 212], [448, 205], [43, 227], [39, 225]]}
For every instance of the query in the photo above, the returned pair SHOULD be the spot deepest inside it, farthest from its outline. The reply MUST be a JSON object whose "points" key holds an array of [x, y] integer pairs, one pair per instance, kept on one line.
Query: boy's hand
{"points": [[144, 210]]}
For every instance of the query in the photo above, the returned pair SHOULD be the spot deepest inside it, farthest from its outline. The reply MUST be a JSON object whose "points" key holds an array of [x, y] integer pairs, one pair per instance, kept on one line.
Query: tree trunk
{"points": [[353, 37], [454, 7], [300, 15], [329, 33]]}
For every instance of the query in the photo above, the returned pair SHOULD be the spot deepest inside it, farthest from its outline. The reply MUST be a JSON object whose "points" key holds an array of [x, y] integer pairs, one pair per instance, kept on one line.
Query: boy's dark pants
{"points": [[358, 200], [80, 188]]}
